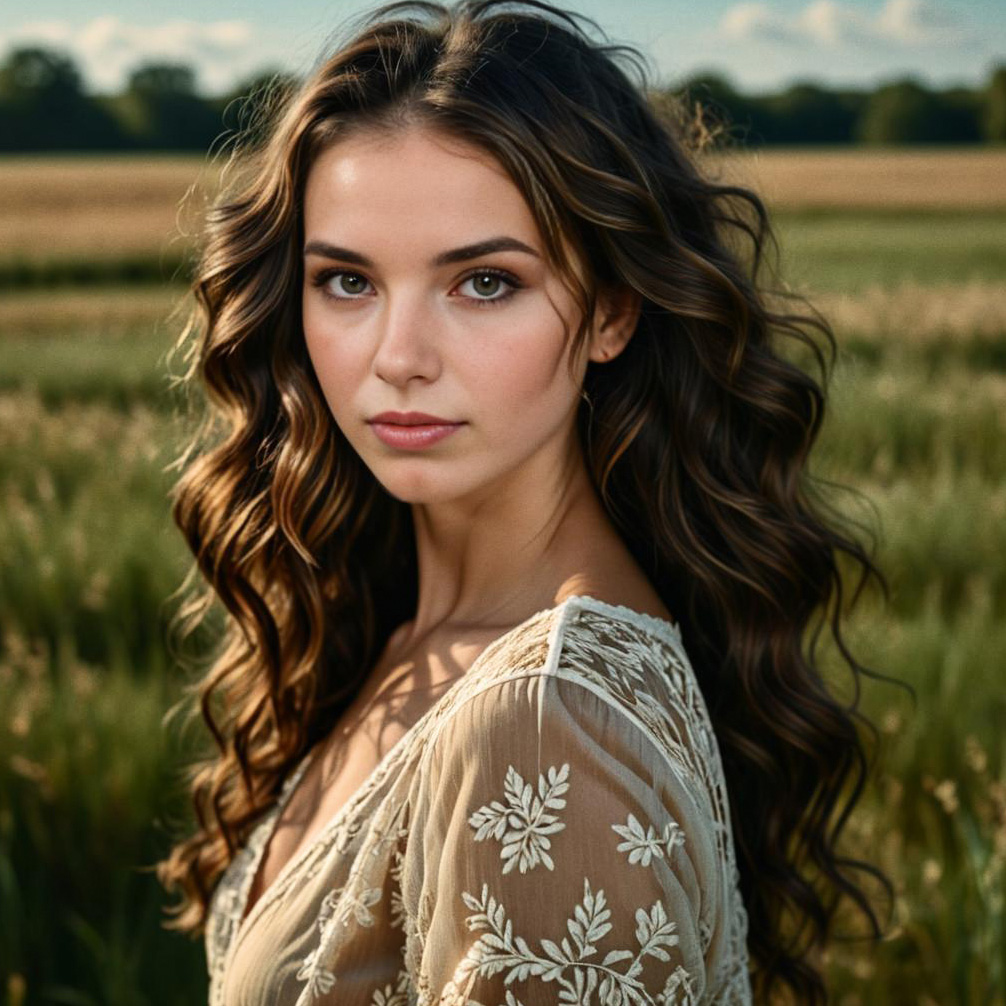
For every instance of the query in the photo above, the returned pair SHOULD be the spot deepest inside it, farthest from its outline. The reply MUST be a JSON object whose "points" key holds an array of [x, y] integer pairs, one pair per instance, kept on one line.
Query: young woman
{"points": [[502, 487]]}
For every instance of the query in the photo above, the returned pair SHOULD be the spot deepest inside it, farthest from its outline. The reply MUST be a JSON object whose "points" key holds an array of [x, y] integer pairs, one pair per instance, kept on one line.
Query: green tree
{"points": [[808, 113], [43, 105], [907, 112], [161, 109], [994, 112]]}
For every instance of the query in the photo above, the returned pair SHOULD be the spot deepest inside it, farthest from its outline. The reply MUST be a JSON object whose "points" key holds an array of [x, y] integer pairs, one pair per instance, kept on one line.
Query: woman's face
{"points": [[394, 321]]}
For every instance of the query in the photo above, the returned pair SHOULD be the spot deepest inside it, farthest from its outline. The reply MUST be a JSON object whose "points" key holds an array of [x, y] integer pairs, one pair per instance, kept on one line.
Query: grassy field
{"points": [[916, 287]]}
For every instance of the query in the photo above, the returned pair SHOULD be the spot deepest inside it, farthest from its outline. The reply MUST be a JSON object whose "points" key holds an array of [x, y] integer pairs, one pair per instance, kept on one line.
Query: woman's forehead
{"points": [[414, 188], [412, 162]]}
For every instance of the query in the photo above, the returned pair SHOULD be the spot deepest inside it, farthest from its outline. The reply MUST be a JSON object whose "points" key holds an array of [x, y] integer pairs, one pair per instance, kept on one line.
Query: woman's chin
{"points": [[424, 487]]}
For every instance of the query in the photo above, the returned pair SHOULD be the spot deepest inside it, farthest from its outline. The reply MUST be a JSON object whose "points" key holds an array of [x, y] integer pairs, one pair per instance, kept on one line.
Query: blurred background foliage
{"points": [[44, 107]]}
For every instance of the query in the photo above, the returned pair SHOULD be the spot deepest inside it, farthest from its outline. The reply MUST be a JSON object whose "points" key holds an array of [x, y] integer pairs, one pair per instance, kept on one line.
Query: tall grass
{"points": [[87, 791]]}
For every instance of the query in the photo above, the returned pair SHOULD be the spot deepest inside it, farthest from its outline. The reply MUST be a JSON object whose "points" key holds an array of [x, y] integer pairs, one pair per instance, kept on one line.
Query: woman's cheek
{"points": [[334, 375]]}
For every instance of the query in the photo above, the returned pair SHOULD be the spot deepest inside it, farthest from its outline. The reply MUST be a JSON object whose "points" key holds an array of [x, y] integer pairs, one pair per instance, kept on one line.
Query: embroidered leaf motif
{"points": [[319, 980], [327, 910], [361, 906], [642, 846], [576, 977], [394, 995], [673, 836], [336, 907], [527, 816], [678, 990], [654, 929]]}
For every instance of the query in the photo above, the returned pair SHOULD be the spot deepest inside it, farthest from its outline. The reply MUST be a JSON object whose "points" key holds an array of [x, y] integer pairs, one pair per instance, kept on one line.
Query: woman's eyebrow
{"points": [[444, 258]]}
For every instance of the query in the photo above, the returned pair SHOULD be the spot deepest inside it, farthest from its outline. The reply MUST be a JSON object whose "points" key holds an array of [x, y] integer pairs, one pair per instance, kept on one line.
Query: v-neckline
{"points": [[246, 918]]}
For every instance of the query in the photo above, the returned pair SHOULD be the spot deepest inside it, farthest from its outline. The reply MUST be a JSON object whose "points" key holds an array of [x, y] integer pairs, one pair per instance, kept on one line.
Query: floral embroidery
{"points": [[336, 907], [642, 846], [397, 904], [393, 995], [565, 963], [640, 669], [678, 990], [319, 980], [530, 823], [705, 934]]}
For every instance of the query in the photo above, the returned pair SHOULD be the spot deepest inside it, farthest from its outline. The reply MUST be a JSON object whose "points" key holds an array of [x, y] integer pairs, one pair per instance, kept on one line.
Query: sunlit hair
{"points": [[696, 438]]}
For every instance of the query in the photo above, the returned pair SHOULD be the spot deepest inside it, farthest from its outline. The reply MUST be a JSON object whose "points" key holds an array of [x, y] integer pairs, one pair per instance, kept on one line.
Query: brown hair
{"points": [[696, 437]]}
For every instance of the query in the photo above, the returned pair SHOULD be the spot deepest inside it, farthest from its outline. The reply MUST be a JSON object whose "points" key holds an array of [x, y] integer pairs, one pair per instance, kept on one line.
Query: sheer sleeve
{"points": [[557, 854]]}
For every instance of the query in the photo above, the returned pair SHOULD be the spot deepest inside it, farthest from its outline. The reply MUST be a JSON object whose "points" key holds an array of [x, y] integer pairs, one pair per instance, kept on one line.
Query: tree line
{"points": [[45, 107]]}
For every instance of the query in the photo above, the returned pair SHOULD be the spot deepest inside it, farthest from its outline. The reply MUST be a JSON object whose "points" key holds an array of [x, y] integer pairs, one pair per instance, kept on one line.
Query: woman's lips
{"points": [[413, 438]]}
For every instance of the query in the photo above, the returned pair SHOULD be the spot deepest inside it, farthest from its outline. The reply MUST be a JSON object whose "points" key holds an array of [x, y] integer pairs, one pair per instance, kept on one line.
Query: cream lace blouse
{"points": [[553, 830]]}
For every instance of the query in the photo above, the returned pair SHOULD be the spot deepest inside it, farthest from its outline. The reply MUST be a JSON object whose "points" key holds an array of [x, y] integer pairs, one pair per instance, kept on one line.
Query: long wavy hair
{"points": [[696, 437]]}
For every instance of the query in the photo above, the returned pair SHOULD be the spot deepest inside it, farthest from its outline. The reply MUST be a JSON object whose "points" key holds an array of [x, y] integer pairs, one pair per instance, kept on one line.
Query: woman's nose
{"points": [[406, 340]]}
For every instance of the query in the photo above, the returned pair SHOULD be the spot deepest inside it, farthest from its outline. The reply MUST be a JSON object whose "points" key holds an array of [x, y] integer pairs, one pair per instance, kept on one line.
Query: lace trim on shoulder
{"points": [[660, 626]]}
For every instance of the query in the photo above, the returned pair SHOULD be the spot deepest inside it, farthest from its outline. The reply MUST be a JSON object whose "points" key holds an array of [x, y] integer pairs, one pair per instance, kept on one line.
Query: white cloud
{"points": [[835, 23], [107, 49], [914, 22], [829, 22], [755, 21]]}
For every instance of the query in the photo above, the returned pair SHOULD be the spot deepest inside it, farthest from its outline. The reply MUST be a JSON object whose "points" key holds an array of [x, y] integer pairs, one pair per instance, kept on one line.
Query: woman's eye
{"points": [[349, 283], [486, 284]]}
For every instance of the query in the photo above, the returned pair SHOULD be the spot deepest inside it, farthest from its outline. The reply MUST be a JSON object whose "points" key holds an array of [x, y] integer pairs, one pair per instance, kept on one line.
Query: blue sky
{"points": [[759, 44]]}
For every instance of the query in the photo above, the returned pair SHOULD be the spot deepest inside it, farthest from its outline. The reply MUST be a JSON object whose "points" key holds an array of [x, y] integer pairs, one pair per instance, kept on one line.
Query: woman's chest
{"points": [[335, 775], [400, 691], [332, 930]]}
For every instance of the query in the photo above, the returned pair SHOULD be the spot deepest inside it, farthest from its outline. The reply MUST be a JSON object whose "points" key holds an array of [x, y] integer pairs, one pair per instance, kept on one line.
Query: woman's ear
{"points": [[615, 319]]}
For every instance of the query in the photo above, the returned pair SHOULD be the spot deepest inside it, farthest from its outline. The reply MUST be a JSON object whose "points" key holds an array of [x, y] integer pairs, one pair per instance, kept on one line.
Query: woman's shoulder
{"points": [[585, 632], [616, 643], [637, 662], [590, 666], [633, 662], [617, 621]]}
